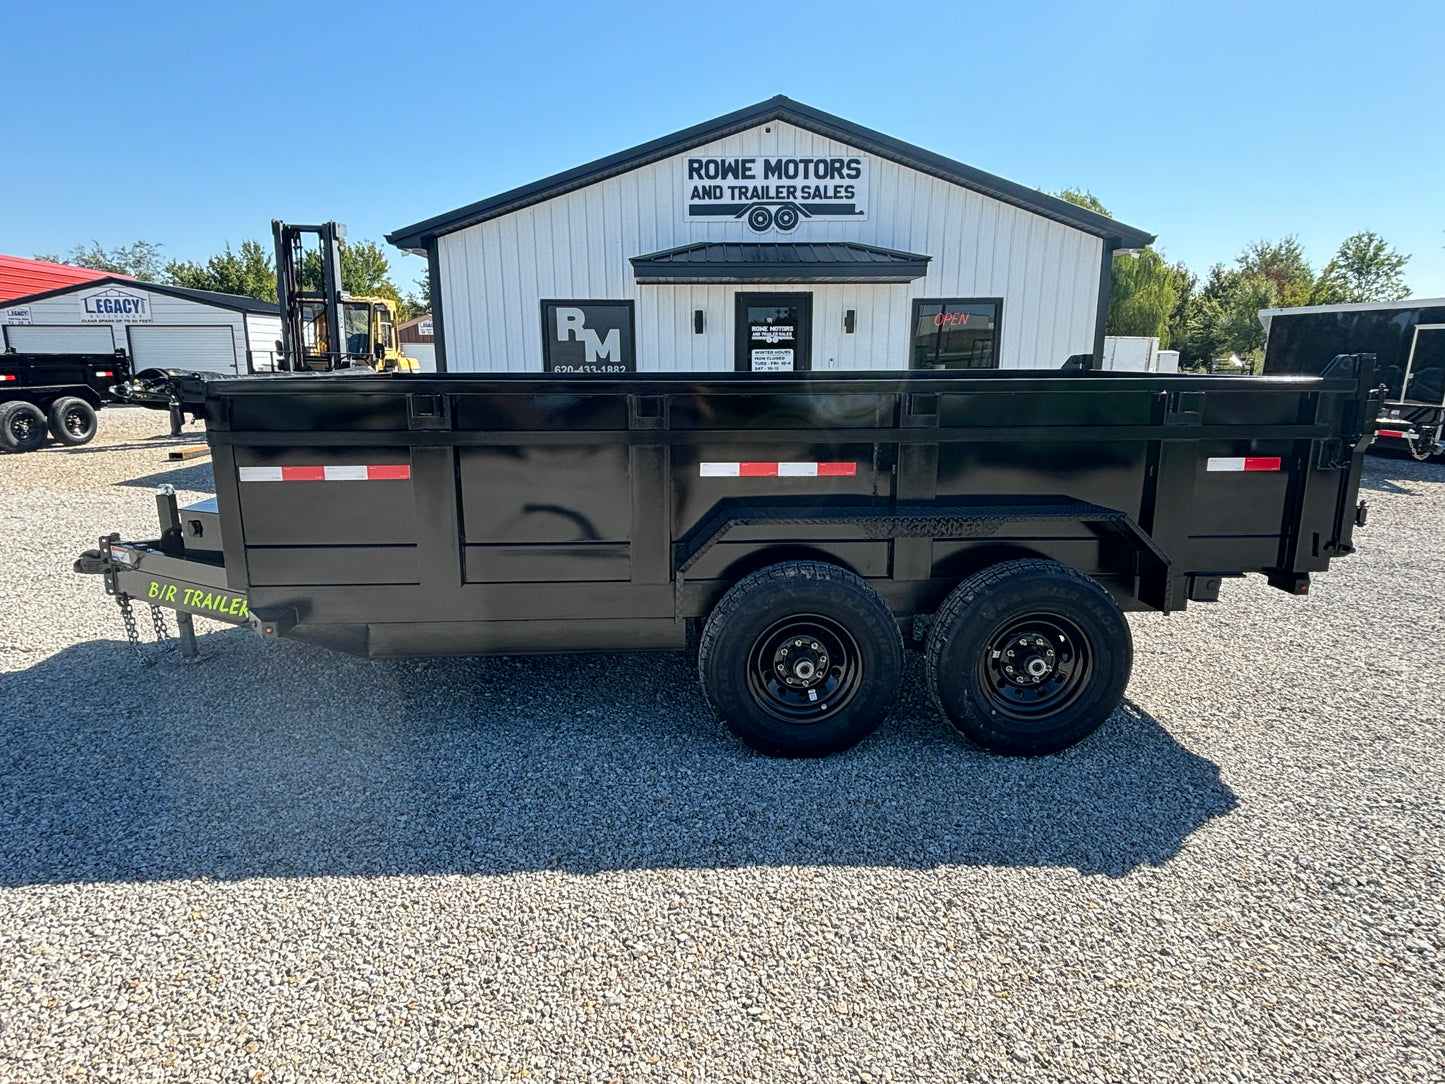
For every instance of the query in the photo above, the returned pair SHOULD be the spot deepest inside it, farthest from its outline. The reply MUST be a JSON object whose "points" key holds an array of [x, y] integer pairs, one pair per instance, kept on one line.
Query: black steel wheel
{"points": [[72, 420], [786, 218], [22, 427], [801, 659], [760, 218], [1028, 657]]}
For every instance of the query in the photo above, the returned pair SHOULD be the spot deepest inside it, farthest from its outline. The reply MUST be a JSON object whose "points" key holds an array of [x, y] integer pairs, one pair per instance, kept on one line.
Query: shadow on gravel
{"points": [[286, 760], [197, 477], [1391, 471]]}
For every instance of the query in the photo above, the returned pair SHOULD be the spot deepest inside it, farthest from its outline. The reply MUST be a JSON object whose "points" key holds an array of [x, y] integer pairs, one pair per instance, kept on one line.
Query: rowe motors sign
{"points": [[771, 193], [113, 305]]}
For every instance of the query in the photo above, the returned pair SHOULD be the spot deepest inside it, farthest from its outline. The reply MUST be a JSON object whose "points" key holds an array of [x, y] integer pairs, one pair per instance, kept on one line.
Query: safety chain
{"points": [[163, 633], [132, 634], [127, 616]]}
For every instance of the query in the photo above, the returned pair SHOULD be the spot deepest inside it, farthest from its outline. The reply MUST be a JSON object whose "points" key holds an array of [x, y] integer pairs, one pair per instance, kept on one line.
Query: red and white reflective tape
{"points": [[777, 470], [1398, 434], [384, 472], [7, 376], [1244, 462]]}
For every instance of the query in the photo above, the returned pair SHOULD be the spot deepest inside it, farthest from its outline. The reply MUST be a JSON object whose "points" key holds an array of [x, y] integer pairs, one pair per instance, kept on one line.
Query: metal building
{"points": [[20, 277], [776, 238], [157, 326], [417, 339]]}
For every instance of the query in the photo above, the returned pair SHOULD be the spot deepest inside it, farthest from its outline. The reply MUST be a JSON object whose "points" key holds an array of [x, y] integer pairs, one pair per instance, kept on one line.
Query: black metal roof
{"points": [[779, 261], [415, 237], [238, 302]]}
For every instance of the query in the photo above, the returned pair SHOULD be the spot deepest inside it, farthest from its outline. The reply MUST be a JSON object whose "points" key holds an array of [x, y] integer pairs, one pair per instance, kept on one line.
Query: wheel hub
{"points": [[1029, 659], [1035, 666], [801, 662], [805, 668]]}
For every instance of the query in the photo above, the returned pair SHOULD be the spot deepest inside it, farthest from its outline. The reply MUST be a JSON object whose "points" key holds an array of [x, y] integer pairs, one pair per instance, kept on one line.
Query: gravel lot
{"points": [[282, 864]]}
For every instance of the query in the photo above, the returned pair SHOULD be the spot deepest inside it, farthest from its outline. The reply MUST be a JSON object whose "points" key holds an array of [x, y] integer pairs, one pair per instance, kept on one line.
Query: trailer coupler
{"points": [[140, 571]]}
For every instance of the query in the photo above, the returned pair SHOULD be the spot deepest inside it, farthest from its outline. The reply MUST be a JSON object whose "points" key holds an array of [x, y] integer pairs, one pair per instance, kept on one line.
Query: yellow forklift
{"points": [[323, 328]]}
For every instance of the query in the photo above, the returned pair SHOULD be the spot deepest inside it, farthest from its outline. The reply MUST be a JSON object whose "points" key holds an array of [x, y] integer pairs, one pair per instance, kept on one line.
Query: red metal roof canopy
{"points": [[21, 278]]}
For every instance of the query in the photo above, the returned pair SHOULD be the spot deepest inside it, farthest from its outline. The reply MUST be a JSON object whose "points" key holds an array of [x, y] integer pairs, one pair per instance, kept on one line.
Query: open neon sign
{"points": [[951, 319]]}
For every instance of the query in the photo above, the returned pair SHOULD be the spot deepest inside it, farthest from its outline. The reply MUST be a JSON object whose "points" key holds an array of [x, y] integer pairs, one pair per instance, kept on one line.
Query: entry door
{"points": [[774, 333]]}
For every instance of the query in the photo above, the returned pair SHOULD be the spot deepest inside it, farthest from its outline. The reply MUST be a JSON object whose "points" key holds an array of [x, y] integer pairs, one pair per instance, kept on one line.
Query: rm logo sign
{"points": [[593, 338]]}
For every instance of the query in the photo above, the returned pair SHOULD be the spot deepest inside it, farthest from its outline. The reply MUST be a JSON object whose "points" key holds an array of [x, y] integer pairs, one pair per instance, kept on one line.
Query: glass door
{"points": [[774, 333]]}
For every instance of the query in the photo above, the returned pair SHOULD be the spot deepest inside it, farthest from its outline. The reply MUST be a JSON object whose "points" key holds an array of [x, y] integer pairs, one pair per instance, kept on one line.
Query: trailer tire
{"points": [[72, 421], [801, 659], [22, 427], [1028, 657]]}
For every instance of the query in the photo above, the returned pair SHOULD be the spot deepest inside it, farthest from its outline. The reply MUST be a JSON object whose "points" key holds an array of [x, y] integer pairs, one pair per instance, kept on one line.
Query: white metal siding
{"points": [[200, 349], [425, 354], [262, 334], [577, 246], [76, 339]]}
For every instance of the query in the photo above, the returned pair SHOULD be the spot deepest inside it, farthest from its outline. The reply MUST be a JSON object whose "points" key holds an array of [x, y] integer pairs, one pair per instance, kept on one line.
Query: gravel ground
{"points": [[282, 864]]}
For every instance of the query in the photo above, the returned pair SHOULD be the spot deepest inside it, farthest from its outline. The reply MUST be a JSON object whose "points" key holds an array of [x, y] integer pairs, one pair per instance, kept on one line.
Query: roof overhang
{"points": [[419, 236], [778, 261]]}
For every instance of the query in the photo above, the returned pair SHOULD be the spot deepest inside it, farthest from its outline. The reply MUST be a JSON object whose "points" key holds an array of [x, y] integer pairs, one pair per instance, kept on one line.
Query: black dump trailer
{"points": [[56, 394], [800, 530], [1408, 341]]}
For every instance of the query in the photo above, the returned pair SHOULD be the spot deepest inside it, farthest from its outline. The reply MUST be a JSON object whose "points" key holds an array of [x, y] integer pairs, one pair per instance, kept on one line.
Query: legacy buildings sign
{"points": [[770, 193], [113, 305]]}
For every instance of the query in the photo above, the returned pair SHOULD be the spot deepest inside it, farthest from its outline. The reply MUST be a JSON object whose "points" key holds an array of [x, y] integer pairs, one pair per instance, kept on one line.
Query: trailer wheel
{"points": [[1028, 657], [72, 420], [801, 659], [22, 427]]}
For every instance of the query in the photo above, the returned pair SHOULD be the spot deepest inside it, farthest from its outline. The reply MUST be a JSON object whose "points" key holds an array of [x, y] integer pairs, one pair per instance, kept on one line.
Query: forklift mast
{"points": [[297, 302]]}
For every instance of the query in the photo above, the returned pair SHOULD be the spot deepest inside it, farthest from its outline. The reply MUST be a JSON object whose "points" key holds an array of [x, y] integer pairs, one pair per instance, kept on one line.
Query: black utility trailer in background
{"points": [[1408, 341], [55, 392], [803, 528]]}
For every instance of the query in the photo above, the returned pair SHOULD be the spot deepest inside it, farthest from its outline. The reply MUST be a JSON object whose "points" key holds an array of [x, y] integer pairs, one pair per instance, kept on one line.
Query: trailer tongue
{"points": [[802, 528]]}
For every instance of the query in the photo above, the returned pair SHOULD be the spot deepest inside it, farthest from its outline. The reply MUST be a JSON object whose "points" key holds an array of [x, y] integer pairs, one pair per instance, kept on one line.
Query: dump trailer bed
{"points": [[409, 514]]}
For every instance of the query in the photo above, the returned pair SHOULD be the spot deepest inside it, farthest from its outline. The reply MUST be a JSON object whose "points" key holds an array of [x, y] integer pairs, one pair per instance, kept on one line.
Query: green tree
{"points": [[365, 271], [418, 301], [1144, 295], [1365, 268], [1283, 263], [141, 260], [248, 272], [1080, 197], [1223, 318], [1146, 291]]}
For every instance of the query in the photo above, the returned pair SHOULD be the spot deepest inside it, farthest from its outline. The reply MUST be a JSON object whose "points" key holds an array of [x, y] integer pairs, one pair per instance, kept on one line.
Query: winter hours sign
{"points": [[770, 193]]}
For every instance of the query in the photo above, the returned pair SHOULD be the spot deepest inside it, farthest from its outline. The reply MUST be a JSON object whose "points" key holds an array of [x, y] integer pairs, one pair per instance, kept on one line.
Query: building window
{"points": [[955, 333]]}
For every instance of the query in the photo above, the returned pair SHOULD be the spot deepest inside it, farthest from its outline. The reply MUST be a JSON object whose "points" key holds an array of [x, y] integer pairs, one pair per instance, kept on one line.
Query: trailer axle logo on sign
{"points": [[114, 306], [775, 193]]}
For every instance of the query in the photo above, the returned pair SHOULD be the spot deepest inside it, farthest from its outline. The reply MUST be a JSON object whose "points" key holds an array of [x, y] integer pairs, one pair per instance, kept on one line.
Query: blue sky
{"points": [[1211, 125]]}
